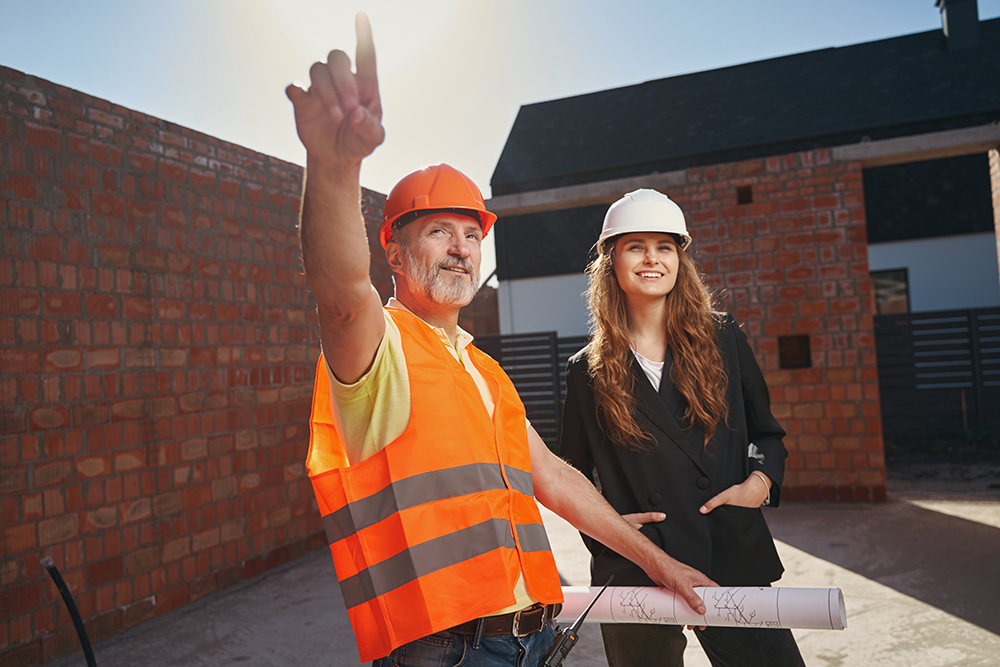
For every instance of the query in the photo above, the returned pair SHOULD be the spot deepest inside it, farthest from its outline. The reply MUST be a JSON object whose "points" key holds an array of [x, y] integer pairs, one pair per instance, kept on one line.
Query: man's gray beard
{"points": [[439, 286]]}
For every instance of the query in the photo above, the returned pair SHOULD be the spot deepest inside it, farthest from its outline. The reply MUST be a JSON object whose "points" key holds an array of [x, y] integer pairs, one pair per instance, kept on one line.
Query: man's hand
{"points": [[751, 493], [339, 119], [642, 518]]}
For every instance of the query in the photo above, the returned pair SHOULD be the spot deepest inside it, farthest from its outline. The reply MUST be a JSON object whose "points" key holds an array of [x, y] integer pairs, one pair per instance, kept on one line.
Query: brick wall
{"points": [[157, 344], [794, 262]]}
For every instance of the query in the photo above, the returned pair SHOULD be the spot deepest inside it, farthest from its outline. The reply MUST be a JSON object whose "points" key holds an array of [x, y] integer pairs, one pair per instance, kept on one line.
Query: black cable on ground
{"points": [[73, 611]]}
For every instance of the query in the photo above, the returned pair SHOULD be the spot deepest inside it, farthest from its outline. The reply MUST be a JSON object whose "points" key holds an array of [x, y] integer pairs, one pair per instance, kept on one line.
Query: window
{"points": [[892, 291], [744, 194], [794, 352]]}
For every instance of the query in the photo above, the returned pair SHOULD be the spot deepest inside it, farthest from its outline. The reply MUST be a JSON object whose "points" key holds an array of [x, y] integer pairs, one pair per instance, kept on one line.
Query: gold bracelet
{"points": [[767, 487]]}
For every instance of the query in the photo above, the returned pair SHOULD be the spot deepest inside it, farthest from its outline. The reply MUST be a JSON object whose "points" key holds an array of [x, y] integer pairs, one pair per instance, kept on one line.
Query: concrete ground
{"points": [[920, 575]]}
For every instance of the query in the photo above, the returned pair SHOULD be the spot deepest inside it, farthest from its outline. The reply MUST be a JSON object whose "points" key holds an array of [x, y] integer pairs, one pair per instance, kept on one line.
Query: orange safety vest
{"points": [[434, 529]]}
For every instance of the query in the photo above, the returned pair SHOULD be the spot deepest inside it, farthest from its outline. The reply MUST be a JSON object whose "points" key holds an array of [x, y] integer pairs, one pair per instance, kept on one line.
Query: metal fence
{"points": [[939, 373], [536, 363]]}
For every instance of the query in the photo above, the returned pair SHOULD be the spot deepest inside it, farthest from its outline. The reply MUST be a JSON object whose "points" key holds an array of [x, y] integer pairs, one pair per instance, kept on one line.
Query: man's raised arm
{"points": [[339, 120]]}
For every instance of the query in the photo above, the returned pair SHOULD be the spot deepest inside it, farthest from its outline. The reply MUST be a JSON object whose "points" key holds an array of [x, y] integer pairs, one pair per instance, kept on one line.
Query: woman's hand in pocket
{"points": [[751, 493]]}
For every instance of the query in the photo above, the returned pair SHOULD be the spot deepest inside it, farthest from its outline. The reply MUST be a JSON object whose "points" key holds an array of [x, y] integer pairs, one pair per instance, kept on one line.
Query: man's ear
{"points": [[394, 256]]}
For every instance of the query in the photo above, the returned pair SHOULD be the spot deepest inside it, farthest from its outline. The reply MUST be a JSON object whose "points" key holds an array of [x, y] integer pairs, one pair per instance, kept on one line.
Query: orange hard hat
{"points": [[440, 188]]}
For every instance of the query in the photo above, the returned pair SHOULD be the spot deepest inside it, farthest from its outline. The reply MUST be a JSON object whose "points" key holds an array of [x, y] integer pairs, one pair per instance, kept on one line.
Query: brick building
{"points": [[778, 164]]}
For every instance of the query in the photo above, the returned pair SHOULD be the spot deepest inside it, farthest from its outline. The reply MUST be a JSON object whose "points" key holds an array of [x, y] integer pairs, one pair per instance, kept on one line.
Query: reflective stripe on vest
{"points": [[424, 488], [434, 529]]}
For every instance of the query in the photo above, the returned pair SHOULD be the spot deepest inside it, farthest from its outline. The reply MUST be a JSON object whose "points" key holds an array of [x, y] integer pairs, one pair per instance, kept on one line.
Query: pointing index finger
{"points": [[365, 62]]}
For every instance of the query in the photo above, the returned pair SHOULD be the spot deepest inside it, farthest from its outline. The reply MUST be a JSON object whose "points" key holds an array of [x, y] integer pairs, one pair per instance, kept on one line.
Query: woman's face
{"points": [[646, 265]]}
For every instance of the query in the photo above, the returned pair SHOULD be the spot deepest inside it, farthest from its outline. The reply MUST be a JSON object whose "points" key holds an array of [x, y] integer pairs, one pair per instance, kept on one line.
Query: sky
{"points": [[453, 73]]}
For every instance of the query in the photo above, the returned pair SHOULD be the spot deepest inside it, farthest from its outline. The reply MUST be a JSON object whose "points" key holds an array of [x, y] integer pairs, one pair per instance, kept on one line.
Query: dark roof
{"points": [[930, 198], [889, 88]]}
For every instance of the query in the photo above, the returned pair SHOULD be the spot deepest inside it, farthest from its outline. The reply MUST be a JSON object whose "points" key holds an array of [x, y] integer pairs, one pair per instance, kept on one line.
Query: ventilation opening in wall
{"points": [[794, 352], [744, 194]]}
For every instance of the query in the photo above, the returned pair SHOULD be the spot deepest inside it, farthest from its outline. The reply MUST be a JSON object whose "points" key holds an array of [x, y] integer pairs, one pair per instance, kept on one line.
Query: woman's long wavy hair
{"points": [[691, 327]]}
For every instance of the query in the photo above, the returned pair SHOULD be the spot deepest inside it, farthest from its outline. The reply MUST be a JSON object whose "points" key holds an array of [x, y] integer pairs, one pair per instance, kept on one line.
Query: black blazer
{"points": [[677, 474]]}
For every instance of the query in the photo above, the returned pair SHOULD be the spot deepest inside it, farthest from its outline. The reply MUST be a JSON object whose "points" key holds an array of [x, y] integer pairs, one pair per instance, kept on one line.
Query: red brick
{"points": [[812, 308], [173, 171], [19, 302], [61, 304], [21, 187], [141, 162], [831, 237], [23, 656], [102, 358], [141, 210], [106, 154], [844, 306], [109, 204], [201, 310], [105, 571], [58, 529], [102, 306], [789, 258], [73, 198], [824, 202], [801, 273], [147, 258], [794, 206], [12, 420], [47, 249], [228, 312], [741, 279], [782, 310], [138, 612], [18, 361], [174, 217], [137, 308], [49, 417], [43, 137], [209, 268], [771, 277], [167, 601], [113, 255], [799, 240], [17, 600], [61, 361], [260, 274], [202, 179], [832, 272]]}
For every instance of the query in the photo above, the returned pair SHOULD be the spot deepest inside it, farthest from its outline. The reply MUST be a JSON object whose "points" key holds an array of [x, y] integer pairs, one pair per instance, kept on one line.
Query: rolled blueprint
{"points": [[744, 607]]}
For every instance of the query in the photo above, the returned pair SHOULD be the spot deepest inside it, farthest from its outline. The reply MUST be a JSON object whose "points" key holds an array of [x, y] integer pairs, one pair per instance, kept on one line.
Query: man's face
{"points": [[441, 258]]}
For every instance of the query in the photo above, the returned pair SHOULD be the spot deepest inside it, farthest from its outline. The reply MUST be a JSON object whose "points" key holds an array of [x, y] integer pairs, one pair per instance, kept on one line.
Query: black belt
{"points": [[518, 623]]}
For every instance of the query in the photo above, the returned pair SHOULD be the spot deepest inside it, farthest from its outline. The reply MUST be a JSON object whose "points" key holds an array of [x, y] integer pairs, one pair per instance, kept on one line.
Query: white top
{"points": [[652, 369]]}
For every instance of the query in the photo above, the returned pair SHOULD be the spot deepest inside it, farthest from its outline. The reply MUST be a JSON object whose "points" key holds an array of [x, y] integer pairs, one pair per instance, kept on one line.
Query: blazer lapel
{"points": [[649, 403]]}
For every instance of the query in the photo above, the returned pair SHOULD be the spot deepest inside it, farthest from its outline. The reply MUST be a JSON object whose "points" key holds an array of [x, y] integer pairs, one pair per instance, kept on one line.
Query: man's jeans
{"points": [[447, 649]]}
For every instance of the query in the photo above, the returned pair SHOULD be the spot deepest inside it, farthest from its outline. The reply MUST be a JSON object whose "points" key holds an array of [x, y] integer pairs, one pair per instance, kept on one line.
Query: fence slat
{"points": [[535, 363], [926, 362]]}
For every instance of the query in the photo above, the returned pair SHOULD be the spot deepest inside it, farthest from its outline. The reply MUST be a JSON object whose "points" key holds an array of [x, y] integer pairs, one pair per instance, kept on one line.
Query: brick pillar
{"points": [[793, 262], [995, 183]]}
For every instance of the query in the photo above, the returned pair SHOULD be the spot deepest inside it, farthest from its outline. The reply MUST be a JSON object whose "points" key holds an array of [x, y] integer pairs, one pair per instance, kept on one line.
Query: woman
{"points": [[668, 413]]}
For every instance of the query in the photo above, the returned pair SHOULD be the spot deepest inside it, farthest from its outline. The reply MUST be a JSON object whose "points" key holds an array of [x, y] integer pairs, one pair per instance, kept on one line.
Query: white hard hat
{"points": [[645, 211]]}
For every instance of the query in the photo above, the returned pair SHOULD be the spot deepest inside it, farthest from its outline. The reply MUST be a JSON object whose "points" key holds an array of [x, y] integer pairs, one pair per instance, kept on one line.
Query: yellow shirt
{"points": [[375, 410]]}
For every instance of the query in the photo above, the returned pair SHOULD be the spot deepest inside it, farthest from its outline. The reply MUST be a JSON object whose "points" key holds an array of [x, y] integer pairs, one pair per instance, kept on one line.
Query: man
{"points": [[424, 467]]}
